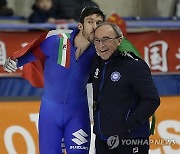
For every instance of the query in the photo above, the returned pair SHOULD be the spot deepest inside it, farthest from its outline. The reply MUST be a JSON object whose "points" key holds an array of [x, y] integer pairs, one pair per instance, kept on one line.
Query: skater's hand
{"points": [[10, 65]]}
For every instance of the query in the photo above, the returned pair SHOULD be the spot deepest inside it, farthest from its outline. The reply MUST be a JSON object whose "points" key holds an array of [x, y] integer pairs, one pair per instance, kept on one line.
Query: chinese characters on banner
{"points": [[161, 50]]}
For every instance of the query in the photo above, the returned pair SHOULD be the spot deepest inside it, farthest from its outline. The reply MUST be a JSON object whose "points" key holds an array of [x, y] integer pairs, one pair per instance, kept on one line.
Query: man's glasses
{"points": [[104, 40]]}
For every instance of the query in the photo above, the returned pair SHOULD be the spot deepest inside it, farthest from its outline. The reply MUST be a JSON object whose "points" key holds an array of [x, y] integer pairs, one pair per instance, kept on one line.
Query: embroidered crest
{"points": [[115, 76]]}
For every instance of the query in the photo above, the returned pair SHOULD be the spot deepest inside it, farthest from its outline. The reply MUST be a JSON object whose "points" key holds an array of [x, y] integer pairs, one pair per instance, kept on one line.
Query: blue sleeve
{"points": [[48, 47], [29, 57]]}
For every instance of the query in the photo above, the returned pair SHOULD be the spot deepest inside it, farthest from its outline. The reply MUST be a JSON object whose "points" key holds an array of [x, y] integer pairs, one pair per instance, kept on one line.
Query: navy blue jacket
{"points": [[125, 94]]}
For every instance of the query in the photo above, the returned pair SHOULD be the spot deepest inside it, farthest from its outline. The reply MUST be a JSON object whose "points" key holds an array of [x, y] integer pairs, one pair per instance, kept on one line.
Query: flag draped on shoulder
{"points": [[127, 46], [34, 71]]}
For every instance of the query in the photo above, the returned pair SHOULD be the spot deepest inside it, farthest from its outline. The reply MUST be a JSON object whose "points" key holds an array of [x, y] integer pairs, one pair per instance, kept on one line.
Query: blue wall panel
{"points": [[167, 85], [17, 87]]}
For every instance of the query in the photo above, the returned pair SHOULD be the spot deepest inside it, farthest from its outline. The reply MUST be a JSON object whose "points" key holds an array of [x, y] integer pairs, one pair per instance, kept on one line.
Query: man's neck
{"points": [[81, 43]]}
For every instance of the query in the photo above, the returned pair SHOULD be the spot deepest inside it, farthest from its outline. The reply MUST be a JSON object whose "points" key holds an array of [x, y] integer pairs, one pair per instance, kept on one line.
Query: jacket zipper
{"points": [[99, 126]]}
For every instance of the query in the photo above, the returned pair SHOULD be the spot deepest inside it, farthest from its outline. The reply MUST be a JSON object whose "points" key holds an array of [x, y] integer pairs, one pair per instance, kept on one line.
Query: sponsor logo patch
{"points": [[80, 138]]}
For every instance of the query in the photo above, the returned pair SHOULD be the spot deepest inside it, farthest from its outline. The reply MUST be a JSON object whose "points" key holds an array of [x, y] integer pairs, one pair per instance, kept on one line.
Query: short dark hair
{"points": [[90, 10]]}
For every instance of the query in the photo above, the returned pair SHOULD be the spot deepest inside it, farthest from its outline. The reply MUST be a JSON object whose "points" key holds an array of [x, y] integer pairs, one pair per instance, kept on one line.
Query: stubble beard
{"points": [[88, 37]]}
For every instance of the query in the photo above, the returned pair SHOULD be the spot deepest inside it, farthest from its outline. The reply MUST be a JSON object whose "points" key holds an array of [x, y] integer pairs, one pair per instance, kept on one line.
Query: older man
{"points": [[124, 94]]}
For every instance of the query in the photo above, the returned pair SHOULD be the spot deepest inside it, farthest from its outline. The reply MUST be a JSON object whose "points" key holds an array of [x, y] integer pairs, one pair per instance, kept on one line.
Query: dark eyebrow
{"points": [[89, 19]]}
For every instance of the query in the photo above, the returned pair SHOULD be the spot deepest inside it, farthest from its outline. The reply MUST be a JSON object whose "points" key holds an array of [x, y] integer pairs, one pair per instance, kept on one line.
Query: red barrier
{"points": [[160, 49]]}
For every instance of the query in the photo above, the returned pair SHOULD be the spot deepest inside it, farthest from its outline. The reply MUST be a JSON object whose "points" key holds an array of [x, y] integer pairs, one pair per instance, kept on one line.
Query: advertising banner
{"points": [[19, 130], [19, 127], [160, 49], [10, 42], [167, 133]]}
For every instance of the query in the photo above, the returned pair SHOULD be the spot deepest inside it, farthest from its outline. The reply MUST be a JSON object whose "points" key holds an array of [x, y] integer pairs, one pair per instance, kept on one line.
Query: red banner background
{"points": [[160, 49]]}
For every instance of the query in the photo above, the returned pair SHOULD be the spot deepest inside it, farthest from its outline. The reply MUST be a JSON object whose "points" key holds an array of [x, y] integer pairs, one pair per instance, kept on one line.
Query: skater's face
{"points": [[90, 23]]}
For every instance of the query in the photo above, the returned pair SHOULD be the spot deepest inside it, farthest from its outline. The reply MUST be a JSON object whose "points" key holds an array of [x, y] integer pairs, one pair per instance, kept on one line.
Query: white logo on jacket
{"points": [[96, 73], [115, 76]]}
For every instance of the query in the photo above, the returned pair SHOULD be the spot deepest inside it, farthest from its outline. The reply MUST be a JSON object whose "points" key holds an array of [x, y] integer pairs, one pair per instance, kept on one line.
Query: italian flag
{"points": [[64, 50], [34, 71]]}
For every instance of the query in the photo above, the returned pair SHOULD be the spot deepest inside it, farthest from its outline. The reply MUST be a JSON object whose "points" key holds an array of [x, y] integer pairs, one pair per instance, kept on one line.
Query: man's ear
{"points": [[80, 26], [119, 41]]}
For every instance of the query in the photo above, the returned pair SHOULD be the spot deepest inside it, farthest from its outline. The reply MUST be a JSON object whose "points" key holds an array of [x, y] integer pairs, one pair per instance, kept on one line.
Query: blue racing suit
{"points": [[64, 111]]}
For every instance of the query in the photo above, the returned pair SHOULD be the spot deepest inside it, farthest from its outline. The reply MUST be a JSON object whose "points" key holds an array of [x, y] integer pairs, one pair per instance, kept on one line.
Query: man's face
{"points": [[90, 23], [106, 41]]}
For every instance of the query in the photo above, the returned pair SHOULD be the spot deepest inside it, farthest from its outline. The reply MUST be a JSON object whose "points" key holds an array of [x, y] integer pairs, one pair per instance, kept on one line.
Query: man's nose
{"points": [[94, 25], [101, 44]]}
